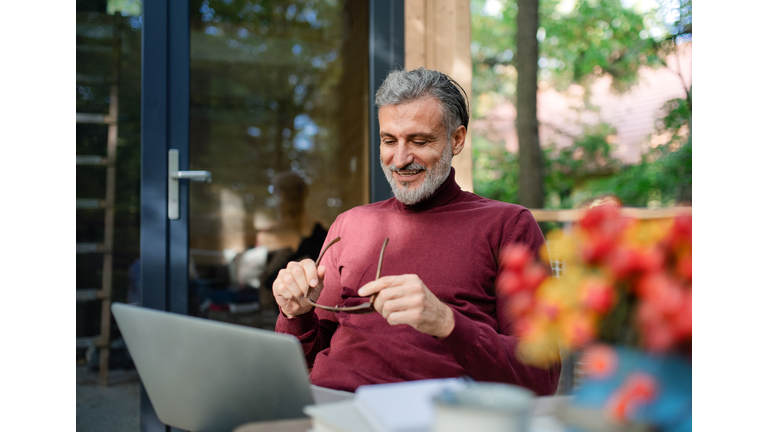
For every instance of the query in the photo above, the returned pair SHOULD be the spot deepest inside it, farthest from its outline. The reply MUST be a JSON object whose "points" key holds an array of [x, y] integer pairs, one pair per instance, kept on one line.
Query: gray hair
{"points": [[402, 86]]}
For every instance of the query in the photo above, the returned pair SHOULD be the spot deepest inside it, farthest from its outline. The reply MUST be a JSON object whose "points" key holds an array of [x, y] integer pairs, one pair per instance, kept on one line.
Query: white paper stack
{"points": [[397, 407], [337, 417]]}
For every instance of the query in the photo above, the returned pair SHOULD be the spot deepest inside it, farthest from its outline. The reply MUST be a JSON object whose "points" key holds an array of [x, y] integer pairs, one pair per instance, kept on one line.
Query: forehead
{"points": [[419, 114]]}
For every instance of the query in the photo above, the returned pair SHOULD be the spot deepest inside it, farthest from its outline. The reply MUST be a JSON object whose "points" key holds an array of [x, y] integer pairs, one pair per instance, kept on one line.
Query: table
{"points": [[292, 425], [543, 419]]}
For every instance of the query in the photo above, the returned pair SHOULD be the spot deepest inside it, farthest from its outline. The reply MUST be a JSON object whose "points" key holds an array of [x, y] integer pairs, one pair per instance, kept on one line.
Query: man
{"points": [[438, 313]]}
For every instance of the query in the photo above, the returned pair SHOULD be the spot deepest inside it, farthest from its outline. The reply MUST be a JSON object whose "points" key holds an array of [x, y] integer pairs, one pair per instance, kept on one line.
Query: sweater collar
{"points": [[445, 193]]}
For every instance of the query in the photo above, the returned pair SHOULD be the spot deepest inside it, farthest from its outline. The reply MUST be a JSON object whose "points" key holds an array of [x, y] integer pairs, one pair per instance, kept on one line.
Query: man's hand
{"points": [[405, 299], [291, 285]]}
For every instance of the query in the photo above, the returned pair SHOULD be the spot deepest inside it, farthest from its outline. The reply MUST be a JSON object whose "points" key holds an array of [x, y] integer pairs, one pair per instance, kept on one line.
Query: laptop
{"points": [[203, 375]]}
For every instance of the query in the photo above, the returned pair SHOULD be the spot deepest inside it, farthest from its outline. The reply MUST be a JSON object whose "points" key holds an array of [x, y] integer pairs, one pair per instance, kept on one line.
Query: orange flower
{"points": [[577, 329], [600, 361], [538, 345], [604, 253]]}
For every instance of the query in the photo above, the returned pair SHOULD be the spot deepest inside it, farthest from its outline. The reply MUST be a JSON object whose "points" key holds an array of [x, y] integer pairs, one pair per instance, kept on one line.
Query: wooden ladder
{"points": [[104, 294]]}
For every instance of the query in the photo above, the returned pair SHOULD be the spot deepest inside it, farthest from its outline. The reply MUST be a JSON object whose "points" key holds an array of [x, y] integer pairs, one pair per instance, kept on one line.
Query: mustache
{"points": [[411, 166]]}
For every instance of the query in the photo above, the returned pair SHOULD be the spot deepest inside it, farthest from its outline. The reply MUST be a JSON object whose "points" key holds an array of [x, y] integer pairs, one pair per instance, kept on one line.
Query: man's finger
{"points": [[387, 305], [375, 286], [285, 286], [321, 272], [298, 271], [310, 273], [408, 317], [293, 279]]}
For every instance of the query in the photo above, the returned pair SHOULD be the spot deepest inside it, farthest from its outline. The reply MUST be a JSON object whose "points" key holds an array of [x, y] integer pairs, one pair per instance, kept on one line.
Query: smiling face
{"points": [[416, 150]]}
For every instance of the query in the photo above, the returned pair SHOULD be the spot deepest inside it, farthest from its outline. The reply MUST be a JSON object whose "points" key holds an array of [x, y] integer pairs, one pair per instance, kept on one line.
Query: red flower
{"points": [[629, 261], [682, 230], [598, 296], [516, 257], [510, 282], [599, 218], [596, 249], [534, 275], [684, 267], [661, 290], [521, 326], [521, 303], [682, 323], [624, 262], [658, 336], [648, 313]]}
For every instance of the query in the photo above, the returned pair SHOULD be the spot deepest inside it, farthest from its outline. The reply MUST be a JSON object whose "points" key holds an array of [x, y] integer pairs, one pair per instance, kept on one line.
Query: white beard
{"points": [[433, 179]]}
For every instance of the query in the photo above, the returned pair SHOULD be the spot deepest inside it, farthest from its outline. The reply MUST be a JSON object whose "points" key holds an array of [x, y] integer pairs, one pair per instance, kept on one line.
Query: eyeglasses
{"points": [[363, 308]]}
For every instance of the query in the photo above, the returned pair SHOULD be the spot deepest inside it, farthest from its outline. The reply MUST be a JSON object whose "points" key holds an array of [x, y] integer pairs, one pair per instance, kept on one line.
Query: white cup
{"points": [[488, 407]]}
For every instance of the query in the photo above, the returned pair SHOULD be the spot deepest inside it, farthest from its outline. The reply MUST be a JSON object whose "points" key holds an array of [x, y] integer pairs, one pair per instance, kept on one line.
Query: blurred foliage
{"points": [[494, 170], [586, 170], [664, 175], [595, 38], [589, 157]]}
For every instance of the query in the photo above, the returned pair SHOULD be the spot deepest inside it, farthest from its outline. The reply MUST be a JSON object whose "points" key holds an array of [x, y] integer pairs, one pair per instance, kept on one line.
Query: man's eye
{"points": [[420, 143], [388, 142]]}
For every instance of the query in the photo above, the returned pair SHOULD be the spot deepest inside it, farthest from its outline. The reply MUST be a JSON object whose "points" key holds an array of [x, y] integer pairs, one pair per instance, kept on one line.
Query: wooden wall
{"points": [[353, 175], [437, 36]]}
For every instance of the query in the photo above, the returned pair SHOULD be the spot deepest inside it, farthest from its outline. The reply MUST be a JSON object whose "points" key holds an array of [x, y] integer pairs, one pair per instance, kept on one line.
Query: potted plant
{"points": [[622, 305]]}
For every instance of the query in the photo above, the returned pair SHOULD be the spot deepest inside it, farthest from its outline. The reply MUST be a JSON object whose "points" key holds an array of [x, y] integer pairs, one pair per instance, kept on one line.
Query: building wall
{"points": [[353, 104], [563, 115], [438, 36]]}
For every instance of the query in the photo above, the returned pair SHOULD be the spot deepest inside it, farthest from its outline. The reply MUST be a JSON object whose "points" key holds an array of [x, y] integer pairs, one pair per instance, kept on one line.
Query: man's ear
{"points": [[457, 139]]}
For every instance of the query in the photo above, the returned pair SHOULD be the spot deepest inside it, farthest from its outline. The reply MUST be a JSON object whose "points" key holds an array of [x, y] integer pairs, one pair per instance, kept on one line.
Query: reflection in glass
{"points": [[108, 100], [276, 87]]}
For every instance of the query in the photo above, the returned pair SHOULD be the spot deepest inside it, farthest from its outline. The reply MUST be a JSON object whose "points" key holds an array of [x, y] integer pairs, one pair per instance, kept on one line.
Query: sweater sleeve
{"points": [[315, 328], [313, 333], [488, 355]]}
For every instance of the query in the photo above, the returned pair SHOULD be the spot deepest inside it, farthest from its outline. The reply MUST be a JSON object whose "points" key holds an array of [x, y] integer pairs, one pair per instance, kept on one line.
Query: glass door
{"points": [[278, 113], [272, 99]]}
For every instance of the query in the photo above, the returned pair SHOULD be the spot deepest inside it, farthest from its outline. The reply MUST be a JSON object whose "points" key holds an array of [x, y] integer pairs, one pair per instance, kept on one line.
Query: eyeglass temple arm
{"points": [[378, 270], [317, 261], [362, 308]]}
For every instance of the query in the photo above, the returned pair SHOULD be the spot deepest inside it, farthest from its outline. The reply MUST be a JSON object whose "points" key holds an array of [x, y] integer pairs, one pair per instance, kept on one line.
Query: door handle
{"points": [[193, 175], [174, 175]]}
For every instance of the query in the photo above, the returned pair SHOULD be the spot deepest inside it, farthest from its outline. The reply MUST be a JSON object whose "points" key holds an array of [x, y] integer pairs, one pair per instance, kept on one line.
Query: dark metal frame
{"points": [[164, 126], [386, 52]]}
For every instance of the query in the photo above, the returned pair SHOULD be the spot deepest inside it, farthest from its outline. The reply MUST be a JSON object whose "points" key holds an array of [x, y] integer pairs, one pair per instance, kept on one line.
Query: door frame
{"points": [[164, 125], [386, 52]]}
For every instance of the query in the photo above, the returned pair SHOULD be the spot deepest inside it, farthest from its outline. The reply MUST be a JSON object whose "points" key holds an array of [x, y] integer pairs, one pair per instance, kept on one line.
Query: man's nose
{"points": [[403, 155]]}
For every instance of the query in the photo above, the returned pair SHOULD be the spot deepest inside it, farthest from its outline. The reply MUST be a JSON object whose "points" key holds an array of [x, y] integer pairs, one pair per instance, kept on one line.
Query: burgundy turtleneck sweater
{"points": [[452, 242]]}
